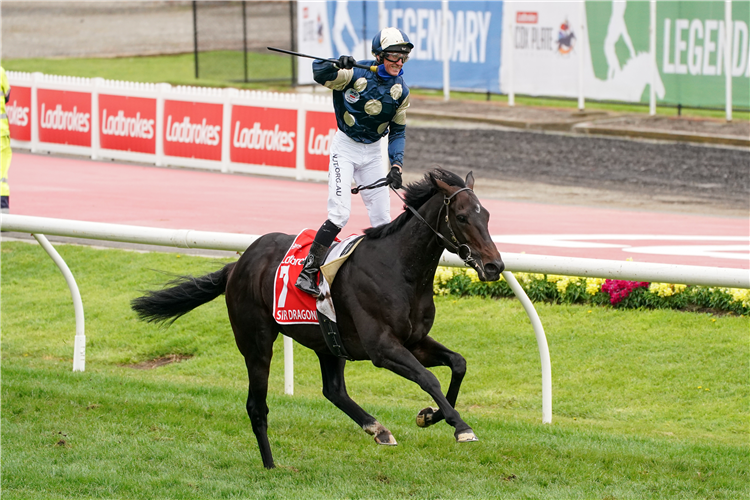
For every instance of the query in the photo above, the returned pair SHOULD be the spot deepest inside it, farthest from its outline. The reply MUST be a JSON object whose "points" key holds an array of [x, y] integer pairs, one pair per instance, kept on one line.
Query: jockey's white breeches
{"points": [[364, 164]]}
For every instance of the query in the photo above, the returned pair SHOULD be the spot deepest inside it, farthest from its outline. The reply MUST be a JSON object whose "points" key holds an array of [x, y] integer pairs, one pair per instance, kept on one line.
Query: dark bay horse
{"points": [[383, 296]]}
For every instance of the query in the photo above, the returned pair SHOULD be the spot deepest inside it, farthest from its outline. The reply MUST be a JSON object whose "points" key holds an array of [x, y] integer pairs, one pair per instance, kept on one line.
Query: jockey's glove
{"points": [[393, 178], [346, 62]]}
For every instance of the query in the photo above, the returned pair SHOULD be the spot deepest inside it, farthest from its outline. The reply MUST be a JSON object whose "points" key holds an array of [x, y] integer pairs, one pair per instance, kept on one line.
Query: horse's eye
{"points": [[462, 219]]}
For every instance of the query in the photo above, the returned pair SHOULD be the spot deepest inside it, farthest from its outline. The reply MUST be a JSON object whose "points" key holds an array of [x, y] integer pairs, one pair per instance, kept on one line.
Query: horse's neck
{"points": [[419, 241]]}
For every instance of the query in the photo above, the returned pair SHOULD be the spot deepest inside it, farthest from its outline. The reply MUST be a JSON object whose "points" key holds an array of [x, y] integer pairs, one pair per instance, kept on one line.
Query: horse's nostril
{"points": [[494, 269]]}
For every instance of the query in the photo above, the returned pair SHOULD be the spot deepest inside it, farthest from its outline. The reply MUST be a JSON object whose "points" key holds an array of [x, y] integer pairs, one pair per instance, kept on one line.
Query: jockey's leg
{"points": [[340, 170], [376, 200]]}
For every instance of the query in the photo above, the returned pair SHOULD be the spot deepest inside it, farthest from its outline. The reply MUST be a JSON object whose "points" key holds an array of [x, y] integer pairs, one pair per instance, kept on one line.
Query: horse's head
{"points": [[463, 222]]}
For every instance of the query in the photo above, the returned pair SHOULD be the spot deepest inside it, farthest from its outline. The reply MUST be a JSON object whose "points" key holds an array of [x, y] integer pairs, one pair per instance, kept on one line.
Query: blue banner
{"points": [[474, 34]]}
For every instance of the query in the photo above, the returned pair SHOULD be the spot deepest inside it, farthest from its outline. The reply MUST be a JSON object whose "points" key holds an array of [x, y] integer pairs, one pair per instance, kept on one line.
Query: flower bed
{"points": [[596, 291]]}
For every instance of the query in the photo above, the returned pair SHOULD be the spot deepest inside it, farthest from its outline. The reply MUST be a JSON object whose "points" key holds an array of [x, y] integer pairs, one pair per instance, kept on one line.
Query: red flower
{"points": [[619, 289]]}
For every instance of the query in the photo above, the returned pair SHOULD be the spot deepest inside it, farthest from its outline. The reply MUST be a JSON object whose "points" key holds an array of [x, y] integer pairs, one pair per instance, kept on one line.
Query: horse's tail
{"points": [[185, 294]]}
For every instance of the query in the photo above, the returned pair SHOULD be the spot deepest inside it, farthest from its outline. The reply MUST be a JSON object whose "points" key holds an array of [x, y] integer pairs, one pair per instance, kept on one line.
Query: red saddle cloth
{"points": [[290, 304]]}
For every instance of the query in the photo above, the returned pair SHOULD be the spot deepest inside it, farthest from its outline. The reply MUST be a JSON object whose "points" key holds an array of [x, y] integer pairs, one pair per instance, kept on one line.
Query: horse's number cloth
{"points": [[290, 304]]}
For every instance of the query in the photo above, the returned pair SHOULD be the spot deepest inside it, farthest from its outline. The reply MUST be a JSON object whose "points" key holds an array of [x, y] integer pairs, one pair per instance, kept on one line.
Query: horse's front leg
{"points": [[431, 353], [390, 354], [334, 389]]}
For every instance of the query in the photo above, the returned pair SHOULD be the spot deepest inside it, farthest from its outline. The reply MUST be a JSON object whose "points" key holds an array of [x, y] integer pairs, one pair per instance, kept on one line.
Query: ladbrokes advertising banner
{"points": [[474, 29], [64, 117], [321, 128], [19, 113], [127, 123], [264, 136], [547, 39], [192, 129]]}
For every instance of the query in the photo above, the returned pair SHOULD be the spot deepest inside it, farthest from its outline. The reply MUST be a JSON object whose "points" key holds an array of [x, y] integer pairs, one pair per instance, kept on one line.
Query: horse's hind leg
{"points": [[257, 409], [334, 389], [431, 353], [256, 345]]}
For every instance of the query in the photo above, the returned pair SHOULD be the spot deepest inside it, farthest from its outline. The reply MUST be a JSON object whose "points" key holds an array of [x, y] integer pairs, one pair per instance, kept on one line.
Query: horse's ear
{"points": [[444, 187], [469, 180]]}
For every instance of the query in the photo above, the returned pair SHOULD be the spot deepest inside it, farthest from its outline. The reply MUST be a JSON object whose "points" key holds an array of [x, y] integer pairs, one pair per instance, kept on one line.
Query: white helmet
{"points": [[391, 40]]}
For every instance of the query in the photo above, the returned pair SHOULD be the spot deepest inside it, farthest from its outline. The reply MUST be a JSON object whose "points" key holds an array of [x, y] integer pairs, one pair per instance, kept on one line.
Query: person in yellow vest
{"points": [[5, 152]]}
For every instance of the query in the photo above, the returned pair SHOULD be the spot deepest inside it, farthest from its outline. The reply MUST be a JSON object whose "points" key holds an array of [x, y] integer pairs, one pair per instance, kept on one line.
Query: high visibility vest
{"points": [[5, 86]]}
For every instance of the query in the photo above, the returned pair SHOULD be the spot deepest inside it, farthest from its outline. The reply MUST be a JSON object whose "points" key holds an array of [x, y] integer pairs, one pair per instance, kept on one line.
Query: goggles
{"points": [[396, 56]]}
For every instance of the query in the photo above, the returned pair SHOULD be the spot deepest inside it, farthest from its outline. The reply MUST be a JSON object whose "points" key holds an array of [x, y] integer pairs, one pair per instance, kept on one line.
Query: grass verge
{"points": [[647, 404]]}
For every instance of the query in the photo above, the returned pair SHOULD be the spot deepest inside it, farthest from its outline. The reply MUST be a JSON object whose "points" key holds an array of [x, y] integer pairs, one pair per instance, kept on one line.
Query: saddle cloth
{"points": [[290, 304]]}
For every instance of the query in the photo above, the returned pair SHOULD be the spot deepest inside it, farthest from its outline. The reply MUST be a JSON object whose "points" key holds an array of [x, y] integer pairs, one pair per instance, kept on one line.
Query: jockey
{"points": [[368, 105]]}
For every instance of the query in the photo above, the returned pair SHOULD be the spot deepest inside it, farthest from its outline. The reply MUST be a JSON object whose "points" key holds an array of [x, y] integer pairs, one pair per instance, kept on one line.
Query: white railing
{"points": [[185, 238]]}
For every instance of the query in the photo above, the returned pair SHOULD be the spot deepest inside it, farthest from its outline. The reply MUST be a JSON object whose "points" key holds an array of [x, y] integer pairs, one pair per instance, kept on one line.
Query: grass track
{"points": [[630, 420]]}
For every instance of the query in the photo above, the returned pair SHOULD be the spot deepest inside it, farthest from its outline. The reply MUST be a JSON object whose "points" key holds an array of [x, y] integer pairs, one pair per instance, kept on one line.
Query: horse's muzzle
{"points": [[491, 271]]}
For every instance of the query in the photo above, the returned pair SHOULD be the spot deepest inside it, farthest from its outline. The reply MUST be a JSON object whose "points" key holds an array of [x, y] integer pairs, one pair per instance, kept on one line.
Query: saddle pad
{"points": [[291, 305]]}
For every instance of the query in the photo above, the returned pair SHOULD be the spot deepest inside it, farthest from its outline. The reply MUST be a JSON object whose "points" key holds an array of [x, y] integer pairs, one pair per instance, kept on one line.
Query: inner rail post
{"points": [[79, 352]]}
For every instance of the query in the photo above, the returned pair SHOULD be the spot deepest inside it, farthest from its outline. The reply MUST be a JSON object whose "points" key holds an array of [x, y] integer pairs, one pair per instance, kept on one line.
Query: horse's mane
{"points": [[416, 194]]}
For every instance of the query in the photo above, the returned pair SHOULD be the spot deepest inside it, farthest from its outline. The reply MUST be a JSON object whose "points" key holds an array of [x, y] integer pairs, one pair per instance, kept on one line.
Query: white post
{"points": [[446, 55], [161, 89], [511, 70], [728, 57], [288, 366], [79, 352], [226, 123], [35, 77], [541, 340], [652, 50], [95, 122], [582, 46], [301, 168]]}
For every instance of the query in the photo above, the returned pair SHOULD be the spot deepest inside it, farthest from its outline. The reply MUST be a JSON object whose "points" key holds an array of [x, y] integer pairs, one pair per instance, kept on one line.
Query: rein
{"points": [[461, 249]]}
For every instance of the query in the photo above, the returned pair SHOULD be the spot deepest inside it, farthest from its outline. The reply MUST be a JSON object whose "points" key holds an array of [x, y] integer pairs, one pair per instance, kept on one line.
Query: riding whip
{"points": [[292, 53]]}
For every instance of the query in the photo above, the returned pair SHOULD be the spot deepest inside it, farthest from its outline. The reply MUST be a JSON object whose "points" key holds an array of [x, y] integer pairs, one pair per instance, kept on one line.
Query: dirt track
{"points": [[572, 169]]}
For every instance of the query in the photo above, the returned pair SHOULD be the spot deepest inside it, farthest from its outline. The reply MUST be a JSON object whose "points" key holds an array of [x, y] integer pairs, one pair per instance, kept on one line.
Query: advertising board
{"points": [[64, 117], [18, 110], [264, 136], [127, 123], [192, 129], [611, 39], [474, 30]]}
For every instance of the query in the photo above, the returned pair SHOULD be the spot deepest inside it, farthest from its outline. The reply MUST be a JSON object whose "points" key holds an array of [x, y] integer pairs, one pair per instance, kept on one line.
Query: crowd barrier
{"points": [[230, 130]]}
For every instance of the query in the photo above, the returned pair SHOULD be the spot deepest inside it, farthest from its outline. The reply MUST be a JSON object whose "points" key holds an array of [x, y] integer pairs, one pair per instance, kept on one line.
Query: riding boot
{"points": [[308, 277]]}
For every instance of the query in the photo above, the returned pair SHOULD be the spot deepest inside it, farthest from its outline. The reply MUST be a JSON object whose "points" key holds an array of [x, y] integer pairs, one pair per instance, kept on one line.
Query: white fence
{"points": [[184, 238], [231, 130]]}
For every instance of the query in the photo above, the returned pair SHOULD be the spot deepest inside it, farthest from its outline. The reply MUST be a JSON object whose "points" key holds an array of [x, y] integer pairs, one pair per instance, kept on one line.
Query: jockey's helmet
{"points": [[391, 40]]}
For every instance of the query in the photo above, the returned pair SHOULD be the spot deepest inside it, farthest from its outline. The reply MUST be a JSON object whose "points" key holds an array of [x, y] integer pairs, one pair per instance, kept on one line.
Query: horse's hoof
{"points": [[466, 437], [385, 438], [424, 417], [380, 434]]}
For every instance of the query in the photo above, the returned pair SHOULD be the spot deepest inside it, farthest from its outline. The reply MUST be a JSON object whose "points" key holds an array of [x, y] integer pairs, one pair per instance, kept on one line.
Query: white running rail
{"points": [[185, 238]]}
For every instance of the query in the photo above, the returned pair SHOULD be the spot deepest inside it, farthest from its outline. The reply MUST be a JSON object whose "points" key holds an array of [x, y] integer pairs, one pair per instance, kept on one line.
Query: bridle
{"points": [[461, 249]]}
